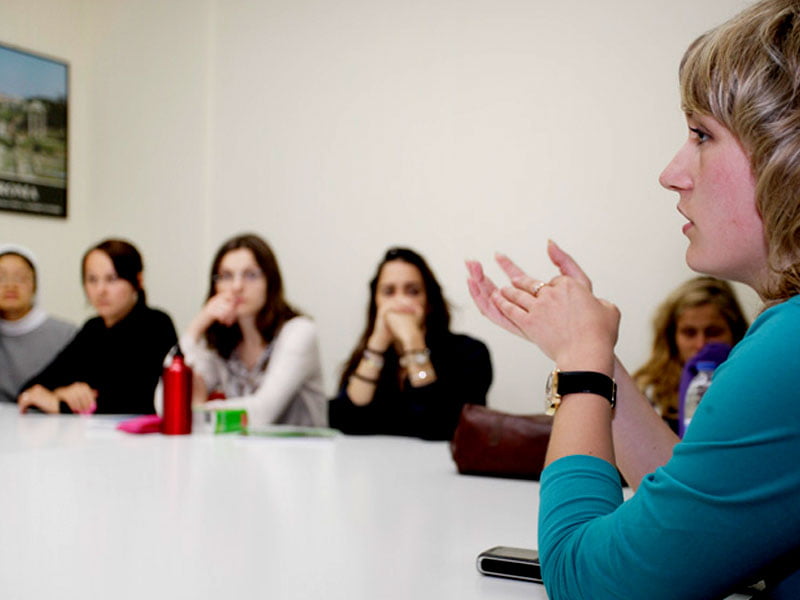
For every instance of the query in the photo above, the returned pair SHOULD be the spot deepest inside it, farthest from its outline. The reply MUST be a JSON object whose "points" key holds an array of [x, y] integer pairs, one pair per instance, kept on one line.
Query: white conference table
{"points": [[89, 512]]}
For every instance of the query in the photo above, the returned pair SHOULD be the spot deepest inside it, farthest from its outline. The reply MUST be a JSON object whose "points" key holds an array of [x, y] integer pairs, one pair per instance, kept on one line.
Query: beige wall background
{"points": [[337, 129]]}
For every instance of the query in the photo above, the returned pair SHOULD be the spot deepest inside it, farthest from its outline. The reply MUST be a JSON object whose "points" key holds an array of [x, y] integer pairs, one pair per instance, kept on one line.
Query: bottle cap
{"points": [[706, 365]]}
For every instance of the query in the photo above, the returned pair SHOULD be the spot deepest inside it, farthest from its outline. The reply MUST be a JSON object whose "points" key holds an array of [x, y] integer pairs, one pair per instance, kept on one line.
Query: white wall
{"points": [[337, 129]]}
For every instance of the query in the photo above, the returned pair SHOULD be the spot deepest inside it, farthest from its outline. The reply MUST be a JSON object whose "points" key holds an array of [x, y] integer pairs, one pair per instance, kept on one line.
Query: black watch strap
{"points": [[587, 382]]}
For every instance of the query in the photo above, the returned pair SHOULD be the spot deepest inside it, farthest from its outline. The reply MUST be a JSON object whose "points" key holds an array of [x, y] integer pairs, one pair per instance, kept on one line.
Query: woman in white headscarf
{"points": [[29, 337]]}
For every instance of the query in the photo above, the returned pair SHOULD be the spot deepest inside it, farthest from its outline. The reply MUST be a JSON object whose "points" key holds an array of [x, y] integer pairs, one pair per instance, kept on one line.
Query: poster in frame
{"points": [[33, 132]]}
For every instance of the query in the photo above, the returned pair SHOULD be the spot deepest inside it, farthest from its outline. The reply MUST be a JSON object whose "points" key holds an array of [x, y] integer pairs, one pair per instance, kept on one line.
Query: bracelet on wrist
{"points": [[415, 357], [364, 379], [373, 358]]}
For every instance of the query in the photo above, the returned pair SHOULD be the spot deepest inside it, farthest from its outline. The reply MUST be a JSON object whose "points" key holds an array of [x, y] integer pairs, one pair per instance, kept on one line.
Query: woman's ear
{"points": [[140, 280]]}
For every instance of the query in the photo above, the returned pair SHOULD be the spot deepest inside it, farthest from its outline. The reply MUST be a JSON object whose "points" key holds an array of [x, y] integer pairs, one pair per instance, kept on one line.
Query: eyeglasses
{"points": [[248, 276], [20, 279]]}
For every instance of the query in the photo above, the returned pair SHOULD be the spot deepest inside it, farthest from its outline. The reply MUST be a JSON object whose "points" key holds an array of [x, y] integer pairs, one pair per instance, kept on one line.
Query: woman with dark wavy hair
{"points": [[250, 345], [409, 374]]}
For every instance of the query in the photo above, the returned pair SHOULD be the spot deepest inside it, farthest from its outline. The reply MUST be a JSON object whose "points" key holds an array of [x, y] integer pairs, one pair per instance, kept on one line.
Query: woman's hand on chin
{"points": [[405, 324], [221, 308]]}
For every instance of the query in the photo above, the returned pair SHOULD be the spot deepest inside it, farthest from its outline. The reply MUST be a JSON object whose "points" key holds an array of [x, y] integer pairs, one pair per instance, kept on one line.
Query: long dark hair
{"points": [[126, 260], [276, 310], [437, 313]]}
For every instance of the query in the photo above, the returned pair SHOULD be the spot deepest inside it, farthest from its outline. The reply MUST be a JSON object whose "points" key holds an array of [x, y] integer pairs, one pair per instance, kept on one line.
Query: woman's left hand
{"points": [[562, 317]]}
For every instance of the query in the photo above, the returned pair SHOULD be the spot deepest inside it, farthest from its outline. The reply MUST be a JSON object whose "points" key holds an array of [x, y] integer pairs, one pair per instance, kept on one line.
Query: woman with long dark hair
{"points": [[249, 344], [409, 374], [114, 362]]}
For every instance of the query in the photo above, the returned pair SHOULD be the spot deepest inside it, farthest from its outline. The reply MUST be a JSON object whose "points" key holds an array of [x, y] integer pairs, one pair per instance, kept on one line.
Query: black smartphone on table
{"points": [[514, 563]]}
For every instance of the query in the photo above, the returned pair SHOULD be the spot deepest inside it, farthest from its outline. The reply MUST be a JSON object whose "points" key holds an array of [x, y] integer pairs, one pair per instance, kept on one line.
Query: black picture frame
{"points": [[34, 141]]}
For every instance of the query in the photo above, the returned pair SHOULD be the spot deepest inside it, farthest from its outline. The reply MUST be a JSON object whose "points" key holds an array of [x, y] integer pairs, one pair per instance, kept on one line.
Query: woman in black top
{"points": [[409, 375], [114, 362]]}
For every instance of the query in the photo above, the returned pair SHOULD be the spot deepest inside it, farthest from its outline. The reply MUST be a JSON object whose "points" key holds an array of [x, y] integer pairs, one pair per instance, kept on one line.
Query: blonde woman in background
{"points": [[701, 311]]}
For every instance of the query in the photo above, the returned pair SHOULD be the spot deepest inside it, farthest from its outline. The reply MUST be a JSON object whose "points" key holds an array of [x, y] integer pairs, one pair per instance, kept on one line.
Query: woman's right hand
{"points": [[381, 337], [39, 397], [220, 308]]}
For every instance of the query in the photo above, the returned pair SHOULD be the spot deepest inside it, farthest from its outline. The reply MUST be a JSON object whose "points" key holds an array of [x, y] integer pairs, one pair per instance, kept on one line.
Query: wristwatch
{"points": [[561, 383]]}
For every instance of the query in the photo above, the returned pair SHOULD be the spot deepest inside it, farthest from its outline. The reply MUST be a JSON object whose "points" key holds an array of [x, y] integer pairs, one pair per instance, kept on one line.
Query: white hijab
{"points": [[36, 316]]}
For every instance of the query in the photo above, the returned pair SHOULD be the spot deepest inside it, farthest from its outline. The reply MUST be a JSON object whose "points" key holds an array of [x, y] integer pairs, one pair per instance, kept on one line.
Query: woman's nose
{"points": [[675, 176]]}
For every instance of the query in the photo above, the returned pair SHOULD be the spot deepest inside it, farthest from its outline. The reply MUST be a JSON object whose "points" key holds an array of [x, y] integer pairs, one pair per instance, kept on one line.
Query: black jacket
{"points": [[122, 362]]}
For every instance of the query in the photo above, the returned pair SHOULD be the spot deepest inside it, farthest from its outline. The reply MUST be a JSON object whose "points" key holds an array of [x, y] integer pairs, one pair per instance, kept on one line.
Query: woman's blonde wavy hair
{"points": [[746, 74], [660, 376]]}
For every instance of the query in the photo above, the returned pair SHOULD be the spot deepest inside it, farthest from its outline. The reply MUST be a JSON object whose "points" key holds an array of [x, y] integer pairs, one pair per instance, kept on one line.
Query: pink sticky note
{"points": [[143, 424]]}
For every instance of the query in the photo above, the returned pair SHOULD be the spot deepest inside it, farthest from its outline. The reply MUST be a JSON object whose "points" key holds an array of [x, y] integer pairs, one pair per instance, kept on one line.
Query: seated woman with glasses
{"points": [[409, 374], [250, 345]]}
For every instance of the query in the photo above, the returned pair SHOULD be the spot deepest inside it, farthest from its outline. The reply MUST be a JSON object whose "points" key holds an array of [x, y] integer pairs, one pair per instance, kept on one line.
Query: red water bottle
{"points": [[177, 396]]}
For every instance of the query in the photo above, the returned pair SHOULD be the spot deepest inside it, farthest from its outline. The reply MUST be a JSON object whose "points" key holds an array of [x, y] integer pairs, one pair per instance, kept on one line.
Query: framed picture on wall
{"points": [[33, 132]]}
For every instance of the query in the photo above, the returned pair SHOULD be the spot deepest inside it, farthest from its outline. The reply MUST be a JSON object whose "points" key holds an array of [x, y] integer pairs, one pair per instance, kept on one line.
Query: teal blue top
{"points": [[724, 511]]}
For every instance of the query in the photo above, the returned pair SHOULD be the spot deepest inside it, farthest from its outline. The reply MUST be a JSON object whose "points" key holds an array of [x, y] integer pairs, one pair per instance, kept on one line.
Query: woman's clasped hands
{"points": [[79, 396], [398, 321], [570, 325]]}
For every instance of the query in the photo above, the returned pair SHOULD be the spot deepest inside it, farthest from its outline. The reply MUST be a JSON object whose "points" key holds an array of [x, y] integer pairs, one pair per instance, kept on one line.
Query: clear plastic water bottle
{"points": [[694, 393]]}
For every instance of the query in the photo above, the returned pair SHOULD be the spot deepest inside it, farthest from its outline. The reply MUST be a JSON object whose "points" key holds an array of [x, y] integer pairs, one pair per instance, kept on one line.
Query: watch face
{"points": [[551, 397]]}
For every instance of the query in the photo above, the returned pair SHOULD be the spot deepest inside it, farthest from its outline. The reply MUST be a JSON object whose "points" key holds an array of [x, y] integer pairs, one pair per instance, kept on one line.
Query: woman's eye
{"points": [[700, 135]]}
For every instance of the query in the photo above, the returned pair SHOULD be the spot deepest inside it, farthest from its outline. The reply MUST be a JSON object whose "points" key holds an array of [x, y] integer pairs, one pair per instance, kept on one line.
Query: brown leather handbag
{"points": [[499, 444]]}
